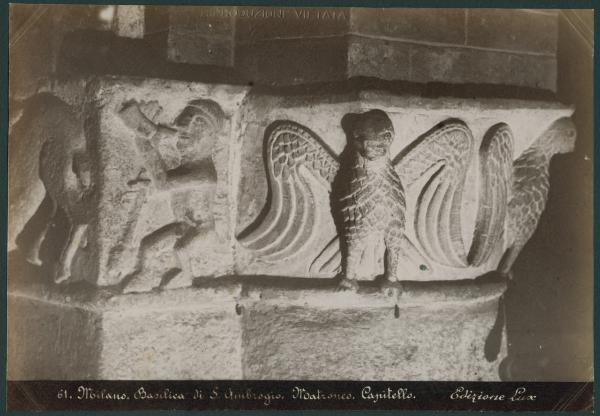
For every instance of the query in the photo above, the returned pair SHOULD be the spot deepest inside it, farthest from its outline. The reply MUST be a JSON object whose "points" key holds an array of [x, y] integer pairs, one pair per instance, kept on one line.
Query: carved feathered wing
{"points": [[296, 162], [443, 154], [530, 186], [495, 164]]}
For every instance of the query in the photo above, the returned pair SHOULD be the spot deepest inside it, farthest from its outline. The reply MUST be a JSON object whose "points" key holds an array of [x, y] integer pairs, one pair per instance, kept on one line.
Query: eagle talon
{"points": [[346, 284], [391, 289]]}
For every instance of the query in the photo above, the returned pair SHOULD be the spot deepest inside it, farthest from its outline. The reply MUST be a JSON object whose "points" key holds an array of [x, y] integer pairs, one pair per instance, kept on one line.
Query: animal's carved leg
{"points": [[157, 261], [30, 239], [187, 232], [133, 201], [180, 250], [76, 235]]}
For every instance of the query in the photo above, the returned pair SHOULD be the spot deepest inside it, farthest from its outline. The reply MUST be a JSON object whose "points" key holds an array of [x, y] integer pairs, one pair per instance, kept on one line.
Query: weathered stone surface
{"points": [[356, 337], [294, 343], [293, 61], [458, 65], [52, 340], [201, 50], [420, 24], [199, 35], [229, 329], [513, 30], [36, 32], [229, 37], [129, 21], [259, 23], [370, 57], [398, 60], [177, 334], [279, 37]]}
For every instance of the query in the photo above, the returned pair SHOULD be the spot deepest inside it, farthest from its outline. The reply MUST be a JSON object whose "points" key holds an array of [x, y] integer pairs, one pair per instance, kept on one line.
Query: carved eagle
{"points": [[300, 165]]}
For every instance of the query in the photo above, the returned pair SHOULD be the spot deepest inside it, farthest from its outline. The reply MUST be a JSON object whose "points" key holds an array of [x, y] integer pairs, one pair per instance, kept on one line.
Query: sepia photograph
{"points": [[265, 207]]}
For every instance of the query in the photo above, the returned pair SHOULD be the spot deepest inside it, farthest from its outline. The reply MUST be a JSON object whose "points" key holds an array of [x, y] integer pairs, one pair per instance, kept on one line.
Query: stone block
{"points": [[194, 49], [39, 30], [206, 21], [201, 35], [260, 23], [313, 335], [50, 340], [258, 329], [417, 24], [512, 30], [177, 334], [129, 21], [293, 61], [378, 58], [456, 65]]}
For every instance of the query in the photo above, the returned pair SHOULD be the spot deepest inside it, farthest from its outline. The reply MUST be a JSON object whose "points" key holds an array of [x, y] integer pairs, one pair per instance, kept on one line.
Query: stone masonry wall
{"points": [[284, 46]]}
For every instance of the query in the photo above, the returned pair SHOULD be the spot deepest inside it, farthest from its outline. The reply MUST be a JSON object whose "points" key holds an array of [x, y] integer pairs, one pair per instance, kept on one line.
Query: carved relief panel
{"points": [[159, 183], [414, 190], [137, 180], [164, 207]]}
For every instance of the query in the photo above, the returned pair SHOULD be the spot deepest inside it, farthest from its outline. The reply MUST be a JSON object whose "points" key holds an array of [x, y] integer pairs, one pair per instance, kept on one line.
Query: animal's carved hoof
{"points": [[62, 277], [391, 289], [33, 259], [347, 285]]}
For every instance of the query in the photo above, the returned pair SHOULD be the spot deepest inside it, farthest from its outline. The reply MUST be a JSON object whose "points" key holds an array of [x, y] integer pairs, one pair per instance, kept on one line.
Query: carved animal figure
{"points": [[64, 169], [367, 191], [530, 187], [370, 197]]}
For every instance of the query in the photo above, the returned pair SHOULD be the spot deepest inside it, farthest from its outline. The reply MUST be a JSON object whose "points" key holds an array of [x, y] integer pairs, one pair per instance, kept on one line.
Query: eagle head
{"points": [[370, 133]]}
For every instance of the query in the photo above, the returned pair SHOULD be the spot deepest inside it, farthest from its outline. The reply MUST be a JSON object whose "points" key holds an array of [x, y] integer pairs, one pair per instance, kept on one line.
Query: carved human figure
{"points": [[65, 171], [178, 161]]}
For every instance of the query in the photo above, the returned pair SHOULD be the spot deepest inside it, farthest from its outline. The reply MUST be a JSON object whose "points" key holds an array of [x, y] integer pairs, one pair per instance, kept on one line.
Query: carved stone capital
{"points": [[233, 194], [158, 183]]}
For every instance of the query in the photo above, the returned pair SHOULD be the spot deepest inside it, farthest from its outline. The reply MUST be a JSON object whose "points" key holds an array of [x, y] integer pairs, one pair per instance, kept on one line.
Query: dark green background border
{"points": [[550, 4]]}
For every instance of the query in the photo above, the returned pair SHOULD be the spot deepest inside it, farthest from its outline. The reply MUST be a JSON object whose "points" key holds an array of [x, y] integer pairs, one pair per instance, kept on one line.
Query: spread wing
{"points": [[496, 170], [530, 185], [297, 162], [443, 155]]}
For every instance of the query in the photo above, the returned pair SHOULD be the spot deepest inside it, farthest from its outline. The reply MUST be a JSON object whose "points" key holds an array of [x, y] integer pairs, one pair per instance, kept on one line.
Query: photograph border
{"points": [[4, 66]]}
